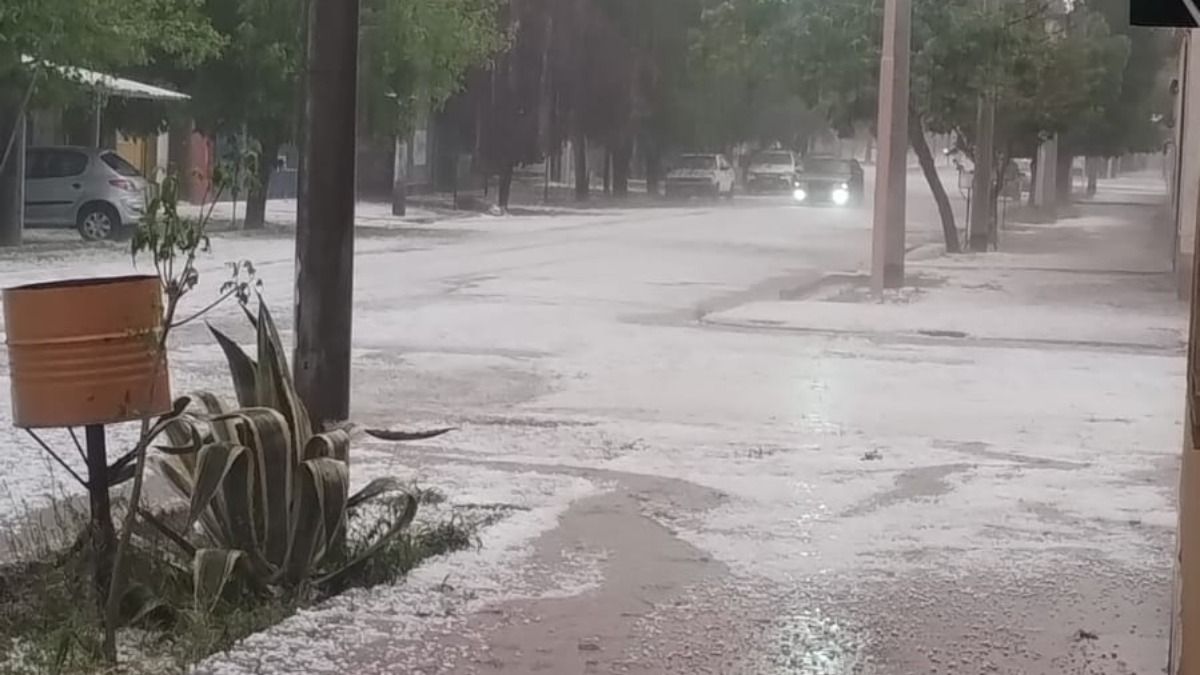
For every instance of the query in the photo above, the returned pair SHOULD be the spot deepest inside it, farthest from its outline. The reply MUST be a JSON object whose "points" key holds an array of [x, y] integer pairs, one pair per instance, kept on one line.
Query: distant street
{"points": [[721, 459]]}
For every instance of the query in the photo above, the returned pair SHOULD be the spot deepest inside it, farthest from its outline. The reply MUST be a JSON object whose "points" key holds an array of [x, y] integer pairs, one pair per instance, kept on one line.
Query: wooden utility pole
{"points": [[325, 236], [891, 184]]}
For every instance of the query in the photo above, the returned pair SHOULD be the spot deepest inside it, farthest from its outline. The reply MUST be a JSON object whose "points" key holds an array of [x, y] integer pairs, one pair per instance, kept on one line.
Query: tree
{"points": [[1042, 81], [508, 95], [1134, 105], [95, 34], [246, 94], [414, 55]]}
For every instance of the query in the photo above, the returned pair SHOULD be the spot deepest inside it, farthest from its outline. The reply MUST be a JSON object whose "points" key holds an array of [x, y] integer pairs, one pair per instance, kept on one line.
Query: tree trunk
{"points": [[400, 179], [582, 179], [504, 189], [12, 174], [620, 168], [653, 169], [1065, 177], [1093, 175], [929, 168], [1033, 181], [260, 187], [608, 167]]}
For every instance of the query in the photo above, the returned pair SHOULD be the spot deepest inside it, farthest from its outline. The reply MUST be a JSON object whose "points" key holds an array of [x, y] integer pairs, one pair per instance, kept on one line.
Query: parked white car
{"points": [[772, 171], [95, 191], [701, 175]]}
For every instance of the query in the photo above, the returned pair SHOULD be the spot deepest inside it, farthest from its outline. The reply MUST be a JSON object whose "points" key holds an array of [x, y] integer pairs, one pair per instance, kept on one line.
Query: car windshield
{"points": [[695, 162], [827, 166], [773, 159]]}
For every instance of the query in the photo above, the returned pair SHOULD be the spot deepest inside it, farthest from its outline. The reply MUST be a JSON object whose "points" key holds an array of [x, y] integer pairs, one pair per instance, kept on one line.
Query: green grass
{"points": [[48, 610]]}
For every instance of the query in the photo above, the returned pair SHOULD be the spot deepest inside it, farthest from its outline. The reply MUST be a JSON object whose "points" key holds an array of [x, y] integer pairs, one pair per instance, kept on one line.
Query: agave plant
{"points": [[269, 494]]}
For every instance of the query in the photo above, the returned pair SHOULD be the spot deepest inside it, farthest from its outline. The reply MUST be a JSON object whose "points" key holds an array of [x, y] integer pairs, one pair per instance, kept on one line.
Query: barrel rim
{"points": [[83, 282]]}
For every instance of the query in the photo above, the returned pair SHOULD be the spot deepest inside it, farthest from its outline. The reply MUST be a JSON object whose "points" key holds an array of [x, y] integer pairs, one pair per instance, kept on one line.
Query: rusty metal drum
{"points": [[86, 351]]}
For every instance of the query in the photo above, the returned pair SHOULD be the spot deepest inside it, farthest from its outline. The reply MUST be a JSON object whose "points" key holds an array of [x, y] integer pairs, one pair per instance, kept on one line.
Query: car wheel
{"points": [[98, 222]]}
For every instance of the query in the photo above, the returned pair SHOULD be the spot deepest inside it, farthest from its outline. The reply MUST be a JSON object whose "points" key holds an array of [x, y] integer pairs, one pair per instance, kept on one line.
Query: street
{"points": [[721, 458]]}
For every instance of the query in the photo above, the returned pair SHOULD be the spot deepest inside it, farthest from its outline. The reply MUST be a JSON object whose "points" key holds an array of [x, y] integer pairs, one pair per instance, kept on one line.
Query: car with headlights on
{"points": [[829, 180], [772, 171]]}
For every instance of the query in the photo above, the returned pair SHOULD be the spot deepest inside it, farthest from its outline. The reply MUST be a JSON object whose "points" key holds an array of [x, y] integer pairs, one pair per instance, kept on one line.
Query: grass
{"points": [[49, 622]]}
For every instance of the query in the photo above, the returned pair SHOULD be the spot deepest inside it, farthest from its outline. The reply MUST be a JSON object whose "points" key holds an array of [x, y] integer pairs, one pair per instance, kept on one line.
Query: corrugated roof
{"points": [[115, 86]]}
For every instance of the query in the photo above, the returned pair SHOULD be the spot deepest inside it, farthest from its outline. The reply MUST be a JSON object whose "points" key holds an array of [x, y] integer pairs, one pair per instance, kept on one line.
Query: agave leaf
{"points": [[184, 438], [178, 472], [177, 476], [266, 432], [242, 368], [275, 386], [220, 417], [211, 570], [336, 578], [250, 317], [237, 496], [402, 436], [213, 463], [376, 488], [307, 518], [334, 444], [120, 474], [333, 477], [166, 531], [123, 469]]}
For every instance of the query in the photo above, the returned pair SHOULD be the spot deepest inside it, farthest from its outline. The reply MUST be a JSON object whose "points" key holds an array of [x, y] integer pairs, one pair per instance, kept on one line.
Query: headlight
{"points": [[845, 186], [799, 195], [841, 196]]}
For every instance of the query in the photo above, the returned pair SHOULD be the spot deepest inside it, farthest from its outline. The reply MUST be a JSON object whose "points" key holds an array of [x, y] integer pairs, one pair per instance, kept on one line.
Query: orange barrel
{"points": [[85, 351]]}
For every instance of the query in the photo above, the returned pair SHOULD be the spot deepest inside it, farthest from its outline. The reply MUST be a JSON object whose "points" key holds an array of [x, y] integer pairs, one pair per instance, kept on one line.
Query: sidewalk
{"points": [[1102, 279]]}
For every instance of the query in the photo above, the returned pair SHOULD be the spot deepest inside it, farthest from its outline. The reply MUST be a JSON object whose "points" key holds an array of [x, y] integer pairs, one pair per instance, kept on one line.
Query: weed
{"points": [[44, 628]]}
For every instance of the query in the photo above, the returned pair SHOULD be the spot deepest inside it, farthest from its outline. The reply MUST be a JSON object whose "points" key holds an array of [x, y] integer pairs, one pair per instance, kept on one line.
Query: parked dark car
{"points": [[829, 180]]}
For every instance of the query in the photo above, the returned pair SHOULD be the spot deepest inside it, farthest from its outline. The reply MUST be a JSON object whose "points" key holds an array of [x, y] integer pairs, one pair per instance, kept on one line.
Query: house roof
{"points": [[115, 86]]}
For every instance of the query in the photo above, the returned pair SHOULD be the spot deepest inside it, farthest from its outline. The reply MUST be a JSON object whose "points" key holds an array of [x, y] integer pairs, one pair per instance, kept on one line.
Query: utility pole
{"points": [[891, 184], [325, 237], [981, 219]]}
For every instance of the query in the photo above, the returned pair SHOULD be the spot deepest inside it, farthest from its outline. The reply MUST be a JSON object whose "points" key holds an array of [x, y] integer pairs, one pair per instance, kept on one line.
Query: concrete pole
{"points": [[887, 251], [325, 238]]}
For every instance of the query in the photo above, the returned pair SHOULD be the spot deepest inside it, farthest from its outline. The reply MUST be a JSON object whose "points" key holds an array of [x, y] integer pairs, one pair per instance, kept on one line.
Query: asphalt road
{"points": [[717, 499]]}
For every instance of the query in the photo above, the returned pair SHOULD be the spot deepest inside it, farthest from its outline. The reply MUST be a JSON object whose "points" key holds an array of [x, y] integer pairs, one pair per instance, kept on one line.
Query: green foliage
{"points": [[101, 33], [271, 496], [95, 34], [416, 53]]}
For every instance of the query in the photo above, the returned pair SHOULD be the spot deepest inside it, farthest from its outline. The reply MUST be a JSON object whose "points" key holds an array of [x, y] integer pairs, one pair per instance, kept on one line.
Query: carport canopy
{"points": [[103, 84]]}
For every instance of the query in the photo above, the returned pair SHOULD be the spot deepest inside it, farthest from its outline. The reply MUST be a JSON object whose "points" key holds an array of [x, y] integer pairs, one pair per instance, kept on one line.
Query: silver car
{"points": [[94, 191]]}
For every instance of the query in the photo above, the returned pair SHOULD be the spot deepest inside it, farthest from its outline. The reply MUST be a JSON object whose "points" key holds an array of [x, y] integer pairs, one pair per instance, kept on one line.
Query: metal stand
{"points": [[104, 536]]}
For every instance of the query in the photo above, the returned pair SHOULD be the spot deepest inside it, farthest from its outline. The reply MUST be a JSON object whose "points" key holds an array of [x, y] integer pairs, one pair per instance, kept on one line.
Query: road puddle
{"points": [[811, 643]]}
